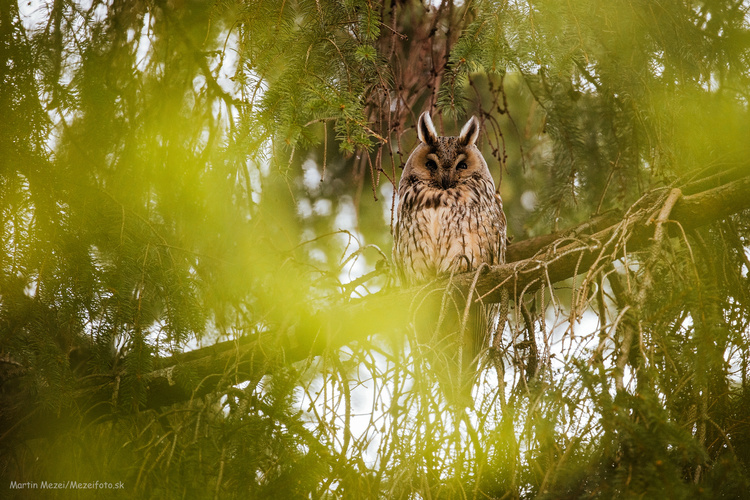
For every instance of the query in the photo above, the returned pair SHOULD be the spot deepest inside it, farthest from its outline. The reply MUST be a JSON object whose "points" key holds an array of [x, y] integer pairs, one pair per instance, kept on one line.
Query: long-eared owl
{"points": [[450, 219]]}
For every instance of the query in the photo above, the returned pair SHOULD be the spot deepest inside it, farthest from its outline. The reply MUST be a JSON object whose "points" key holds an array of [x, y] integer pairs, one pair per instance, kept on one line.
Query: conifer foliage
{"points": [[195, 210]]}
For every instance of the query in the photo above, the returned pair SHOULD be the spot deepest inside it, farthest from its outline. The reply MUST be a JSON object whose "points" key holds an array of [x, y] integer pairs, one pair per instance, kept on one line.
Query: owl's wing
{"points": [[501, 224]]}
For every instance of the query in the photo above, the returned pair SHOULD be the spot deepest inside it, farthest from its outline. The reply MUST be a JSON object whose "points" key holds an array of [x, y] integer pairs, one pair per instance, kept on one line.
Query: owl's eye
{"points": [[431, 164], [462, 166]]}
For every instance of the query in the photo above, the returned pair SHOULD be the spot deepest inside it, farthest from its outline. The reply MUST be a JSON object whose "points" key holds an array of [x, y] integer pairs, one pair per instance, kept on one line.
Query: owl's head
{"points": [[445, 162]]}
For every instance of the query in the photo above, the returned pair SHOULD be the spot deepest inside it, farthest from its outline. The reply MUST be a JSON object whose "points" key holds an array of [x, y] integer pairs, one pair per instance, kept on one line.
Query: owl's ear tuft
{"points": [[426, 130], [470, 132]]}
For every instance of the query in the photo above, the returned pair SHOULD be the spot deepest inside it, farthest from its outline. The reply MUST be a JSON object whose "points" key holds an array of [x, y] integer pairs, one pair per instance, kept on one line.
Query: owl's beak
{"points": [[446, 181]]}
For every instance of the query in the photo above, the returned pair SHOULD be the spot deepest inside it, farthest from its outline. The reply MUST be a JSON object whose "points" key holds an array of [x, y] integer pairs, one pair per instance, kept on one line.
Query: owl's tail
{"points": [[453, 344]]}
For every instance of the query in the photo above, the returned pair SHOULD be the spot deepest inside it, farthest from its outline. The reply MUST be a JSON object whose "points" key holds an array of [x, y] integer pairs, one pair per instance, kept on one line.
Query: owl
{"points": [[450, 219]]}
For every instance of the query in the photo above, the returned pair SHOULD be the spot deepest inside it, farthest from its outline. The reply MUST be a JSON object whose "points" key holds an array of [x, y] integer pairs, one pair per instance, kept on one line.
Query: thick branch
{"points": [[379, 312]]}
